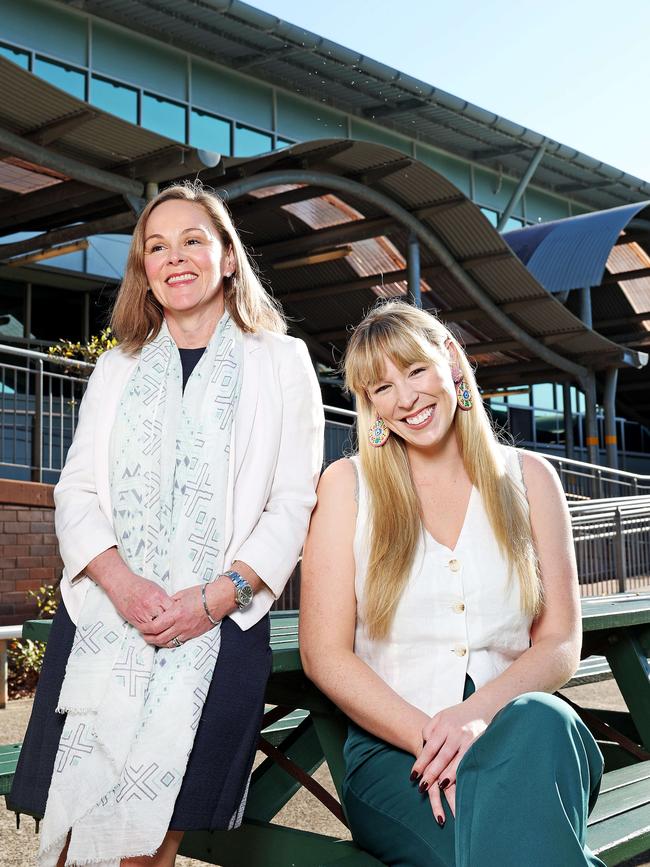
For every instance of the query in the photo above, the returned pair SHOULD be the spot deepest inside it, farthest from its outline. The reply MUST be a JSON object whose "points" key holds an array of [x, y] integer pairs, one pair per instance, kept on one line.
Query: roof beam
{"points": [[115, 223], [71, 168], [622, 276], [354, 230], [42, 203], [493, 153], [520, 189], [384, 109], [56, 129], [623, 320], [584, 186]]}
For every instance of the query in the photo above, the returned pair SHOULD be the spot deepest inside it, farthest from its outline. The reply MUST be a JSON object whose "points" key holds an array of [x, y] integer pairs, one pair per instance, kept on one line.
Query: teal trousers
{"points": [[524, 791]]}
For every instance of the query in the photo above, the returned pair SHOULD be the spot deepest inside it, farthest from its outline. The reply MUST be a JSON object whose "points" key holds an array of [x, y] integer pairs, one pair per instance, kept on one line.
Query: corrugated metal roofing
{"points": [[571, 253], [244, 38]]}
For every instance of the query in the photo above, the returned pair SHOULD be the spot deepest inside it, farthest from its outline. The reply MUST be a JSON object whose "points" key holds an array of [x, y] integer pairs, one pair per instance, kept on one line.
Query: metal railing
{"points": [[38, 412], [610, 509]]}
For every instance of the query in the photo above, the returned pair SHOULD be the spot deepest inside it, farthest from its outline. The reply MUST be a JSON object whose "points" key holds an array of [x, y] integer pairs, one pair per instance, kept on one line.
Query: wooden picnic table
{"points": [[617, 627]]}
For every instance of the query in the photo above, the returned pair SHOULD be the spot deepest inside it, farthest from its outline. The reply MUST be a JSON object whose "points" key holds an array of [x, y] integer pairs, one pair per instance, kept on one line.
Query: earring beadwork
{"points": [[378, 433], [463, 395]]}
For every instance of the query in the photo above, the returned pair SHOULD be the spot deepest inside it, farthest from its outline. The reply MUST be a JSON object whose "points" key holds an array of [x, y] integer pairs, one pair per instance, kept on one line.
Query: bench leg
{"points": [[629, 663], [4, 676]]}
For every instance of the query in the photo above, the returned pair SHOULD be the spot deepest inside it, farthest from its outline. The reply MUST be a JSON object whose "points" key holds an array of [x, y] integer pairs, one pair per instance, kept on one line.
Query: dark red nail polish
{"points": [[441, 821], [444, 783], [414, 776], [423, 786]]}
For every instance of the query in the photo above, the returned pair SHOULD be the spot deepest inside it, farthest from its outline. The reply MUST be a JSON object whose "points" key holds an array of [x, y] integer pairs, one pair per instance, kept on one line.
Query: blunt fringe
{"points": [[406, 335], [137, 316]]}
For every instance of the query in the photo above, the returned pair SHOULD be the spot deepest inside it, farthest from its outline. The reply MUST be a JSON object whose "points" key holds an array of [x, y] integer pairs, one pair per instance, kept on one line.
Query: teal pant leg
{"points": [[387, 814], [525, 788]]}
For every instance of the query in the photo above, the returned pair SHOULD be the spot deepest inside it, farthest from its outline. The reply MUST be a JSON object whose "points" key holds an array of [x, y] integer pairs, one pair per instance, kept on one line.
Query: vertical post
{"points": [[568, 421], [151, 190], [27, 320], [413, 270], [37, 427], [611, 378], [619, 551], [3, 673], [86, 318], [585, 306], [591, 422]]}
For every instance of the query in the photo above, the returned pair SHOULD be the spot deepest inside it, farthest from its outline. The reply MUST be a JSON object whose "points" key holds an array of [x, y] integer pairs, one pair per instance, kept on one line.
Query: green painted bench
{"points": [[302, 729]]}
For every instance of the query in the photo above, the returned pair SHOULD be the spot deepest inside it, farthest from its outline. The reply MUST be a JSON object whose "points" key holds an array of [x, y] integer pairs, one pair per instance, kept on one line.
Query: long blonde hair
{"points": [[406, 335], [137, 315]]}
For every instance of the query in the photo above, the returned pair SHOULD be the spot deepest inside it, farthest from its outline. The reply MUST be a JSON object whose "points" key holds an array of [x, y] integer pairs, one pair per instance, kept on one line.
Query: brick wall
{"points": [[29, 555]]}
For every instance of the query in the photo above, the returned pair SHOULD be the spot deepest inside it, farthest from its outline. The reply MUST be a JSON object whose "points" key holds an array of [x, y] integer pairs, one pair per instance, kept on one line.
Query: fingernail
{"points": [[444, 783], [414, 776], [441, 821], [423, 786]]}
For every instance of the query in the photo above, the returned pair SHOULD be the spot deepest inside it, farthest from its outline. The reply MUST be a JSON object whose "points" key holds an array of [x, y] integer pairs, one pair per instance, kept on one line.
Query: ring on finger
{"points": [[176, 642]]}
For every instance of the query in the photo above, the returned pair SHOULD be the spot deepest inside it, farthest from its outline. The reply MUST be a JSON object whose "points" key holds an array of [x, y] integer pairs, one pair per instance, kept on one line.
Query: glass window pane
{"points": [[559, 397], [581, 402], [282, 143], [513, 223], [164, 117], [19, 57], [547, 426], [543, 395], [209, 133], [250, 142], [521, 399], [115, 98], [492, 216], [64, 77]]}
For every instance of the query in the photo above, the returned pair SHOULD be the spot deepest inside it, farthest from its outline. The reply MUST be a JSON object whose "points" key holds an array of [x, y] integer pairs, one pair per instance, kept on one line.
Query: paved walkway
{"points": [[19, 848]]}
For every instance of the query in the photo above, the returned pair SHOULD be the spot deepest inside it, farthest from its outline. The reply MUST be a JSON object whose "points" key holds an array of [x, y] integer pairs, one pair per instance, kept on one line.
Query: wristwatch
{"points": [[243, 590]]}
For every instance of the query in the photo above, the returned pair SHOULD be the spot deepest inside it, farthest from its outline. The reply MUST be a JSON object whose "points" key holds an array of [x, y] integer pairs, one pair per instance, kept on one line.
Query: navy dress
{"points": [[220, 763]]}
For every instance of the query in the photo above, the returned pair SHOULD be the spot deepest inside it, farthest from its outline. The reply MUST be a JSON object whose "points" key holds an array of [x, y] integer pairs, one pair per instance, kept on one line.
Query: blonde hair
{"points": [[406, 335], [137, 316]]}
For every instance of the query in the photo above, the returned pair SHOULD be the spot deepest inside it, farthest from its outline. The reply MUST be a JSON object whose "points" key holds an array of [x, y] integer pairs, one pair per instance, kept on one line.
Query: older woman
{"points": [[439, 610], [180, 514]]}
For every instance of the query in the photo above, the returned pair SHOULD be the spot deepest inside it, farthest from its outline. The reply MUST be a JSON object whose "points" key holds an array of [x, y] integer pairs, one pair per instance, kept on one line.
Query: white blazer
{"points": [[275, 459]]}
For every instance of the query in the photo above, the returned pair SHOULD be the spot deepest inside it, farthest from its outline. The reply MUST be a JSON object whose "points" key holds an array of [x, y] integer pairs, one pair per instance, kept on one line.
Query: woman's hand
{"points": [[447, 737], [185, 618], [137, 599]]}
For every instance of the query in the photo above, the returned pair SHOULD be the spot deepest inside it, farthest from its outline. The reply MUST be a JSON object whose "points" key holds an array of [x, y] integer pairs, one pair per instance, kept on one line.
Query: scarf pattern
{"points": [[132, 709]]}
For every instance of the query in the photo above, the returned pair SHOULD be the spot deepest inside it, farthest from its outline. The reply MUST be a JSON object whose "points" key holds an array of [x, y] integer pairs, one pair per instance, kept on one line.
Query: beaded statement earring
{"points": [[378, 432], [463, 394]]}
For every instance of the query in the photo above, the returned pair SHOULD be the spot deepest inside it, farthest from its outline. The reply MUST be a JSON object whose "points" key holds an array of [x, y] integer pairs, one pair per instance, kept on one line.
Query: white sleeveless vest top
{"points": [[459, 613]]}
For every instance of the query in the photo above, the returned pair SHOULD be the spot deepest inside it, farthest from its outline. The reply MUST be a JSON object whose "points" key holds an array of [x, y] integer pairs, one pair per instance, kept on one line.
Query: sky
{"points": [[576, 71]]}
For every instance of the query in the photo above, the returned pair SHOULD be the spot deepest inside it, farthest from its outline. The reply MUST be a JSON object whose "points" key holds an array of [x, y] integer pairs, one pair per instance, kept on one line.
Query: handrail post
{"points": [[635, 486], [620, 564], [37, 428], [599, 484]]}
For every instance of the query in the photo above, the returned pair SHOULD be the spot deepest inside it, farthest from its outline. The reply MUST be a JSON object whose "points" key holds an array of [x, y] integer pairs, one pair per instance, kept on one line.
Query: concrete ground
{"points": [[18, 848]]}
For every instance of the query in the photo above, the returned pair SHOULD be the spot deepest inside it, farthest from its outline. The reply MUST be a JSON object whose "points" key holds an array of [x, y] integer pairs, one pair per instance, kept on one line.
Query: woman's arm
{"points": [[556, 634], [328, 615]]}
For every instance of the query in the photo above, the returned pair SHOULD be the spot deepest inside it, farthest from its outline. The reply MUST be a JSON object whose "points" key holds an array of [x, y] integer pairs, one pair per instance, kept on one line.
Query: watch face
{"points": [[244, 595]]}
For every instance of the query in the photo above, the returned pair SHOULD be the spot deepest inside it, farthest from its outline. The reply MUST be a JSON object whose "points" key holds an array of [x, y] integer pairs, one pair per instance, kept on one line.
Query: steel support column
{"points": [[423, 233], [521, 187], [568, 421], [585, 306], [611, 380], [413, 265], [588, 383]]}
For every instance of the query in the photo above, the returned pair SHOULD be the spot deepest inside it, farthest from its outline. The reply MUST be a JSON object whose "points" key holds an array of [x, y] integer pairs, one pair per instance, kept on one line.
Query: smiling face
{"points": [[185, 259], [417, 402]]}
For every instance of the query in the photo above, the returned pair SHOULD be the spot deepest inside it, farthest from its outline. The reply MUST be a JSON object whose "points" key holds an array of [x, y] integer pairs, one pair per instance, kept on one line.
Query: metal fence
{"points": [[39, 402], [610, 509]]}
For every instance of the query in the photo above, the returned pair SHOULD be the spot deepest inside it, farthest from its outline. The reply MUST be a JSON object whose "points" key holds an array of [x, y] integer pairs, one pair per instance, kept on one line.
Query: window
{"points": [[492, 216], [65, 77], [282, 143], [19, 57], [519, 397], [115, 98], [513, 223], [548, 426], [164, 117], [250, 142], [543, 395], [209, 133]]}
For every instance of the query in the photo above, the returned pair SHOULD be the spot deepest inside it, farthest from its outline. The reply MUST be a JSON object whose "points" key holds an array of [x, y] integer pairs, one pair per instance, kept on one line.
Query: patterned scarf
{"points": [[132, 709]]}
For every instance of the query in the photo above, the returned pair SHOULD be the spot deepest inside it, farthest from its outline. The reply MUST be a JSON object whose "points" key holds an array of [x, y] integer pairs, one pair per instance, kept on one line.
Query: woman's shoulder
{"points": [[276, 342], [538, 473], [115, 359], [341, 479]]}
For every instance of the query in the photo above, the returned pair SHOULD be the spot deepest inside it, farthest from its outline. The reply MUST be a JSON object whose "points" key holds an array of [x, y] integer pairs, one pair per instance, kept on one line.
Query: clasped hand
{"points": [[446, 738], [160, 617]]}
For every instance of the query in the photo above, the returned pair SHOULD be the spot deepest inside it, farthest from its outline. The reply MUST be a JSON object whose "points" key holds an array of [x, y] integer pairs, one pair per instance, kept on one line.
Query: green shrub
{"points": [[25, 657]]}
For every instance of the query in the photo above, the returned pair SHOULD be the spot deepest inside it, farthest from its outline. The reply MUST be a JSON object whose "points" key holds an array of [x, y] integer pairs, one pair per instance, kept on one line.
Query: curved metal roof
{"points": [[263, 46], [572, 253], [327, 257]]}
